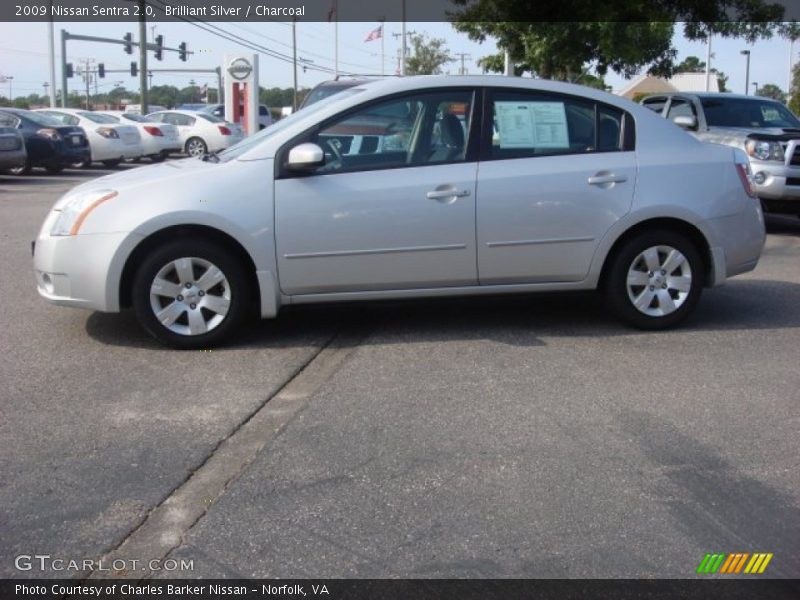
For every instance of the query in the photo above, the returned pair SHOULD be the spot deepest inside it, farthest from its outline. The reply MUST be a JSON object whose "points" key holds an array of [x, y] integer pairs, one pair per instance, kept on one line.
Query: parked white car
{"points": [[460, 186], [137, 108], [110, 142], [200, 133], [158, 139]]}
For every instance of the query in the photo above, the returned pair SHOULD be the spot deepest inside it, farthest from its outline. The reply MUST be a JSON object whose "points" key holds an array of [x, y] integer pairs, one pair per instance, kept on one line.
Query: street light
{"points": [[747, 72], [755, 88]]}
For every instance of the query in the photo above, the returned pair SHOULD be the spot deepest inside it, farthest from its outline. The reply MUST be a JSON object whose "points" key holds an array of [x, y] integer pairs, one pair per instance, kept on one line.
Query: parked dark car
{"points": [[48, 143], [12, 149]]}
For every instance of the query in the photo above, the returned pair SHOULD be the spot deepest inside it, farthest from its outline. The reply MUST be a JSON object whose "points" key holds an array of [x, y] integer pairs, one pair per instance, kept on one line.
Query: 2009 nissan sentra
{"points": [[407, 188]]}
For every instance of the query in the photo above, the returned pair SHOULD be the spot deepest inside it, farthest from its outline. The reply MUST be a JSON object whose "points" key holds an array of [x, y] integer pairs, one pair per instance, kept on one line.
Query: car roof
{"points": [[701, 95]]}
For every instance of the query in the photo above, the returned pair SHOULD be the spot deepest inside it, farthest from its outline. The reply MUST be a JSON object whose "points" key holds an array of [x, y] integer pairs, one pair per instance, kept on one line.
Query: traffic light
{"points": [[101, 70], [134, 69], [128, 43], [182, 51], [159, 46], [70, 70]]}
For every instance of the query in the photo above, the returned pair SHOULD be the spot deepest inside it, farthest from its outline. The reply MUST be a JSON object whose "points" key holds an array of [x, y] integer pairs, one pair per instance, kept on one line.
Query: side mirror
{"points": [[305, 157], [685, 122]]}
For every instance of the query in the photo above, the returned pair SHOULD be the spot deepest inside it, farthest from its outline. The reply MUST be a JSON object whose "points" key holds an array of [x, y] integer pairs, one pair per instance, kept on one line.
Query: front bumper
{"points": [[775, 181], [82, 270]]}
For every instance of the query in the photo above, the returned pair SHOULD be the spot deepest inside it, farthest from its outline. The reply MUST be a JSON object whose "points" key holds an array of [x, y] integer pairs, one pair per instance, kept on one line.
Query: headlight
{"points": [[763, 150], [75, 209]]}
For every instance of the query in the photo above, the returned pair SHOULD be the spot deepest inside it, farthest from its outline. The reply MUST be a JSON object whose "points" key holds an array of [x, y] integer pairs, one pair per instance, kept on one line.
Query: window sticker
{"points": [[531, 125]]}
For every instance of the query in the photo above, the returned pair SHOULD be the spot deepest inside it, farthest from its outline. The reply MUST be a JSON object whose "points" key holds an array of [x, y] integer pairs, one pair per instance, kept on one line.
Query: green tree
{"points": [[428, 55], [770, 90], [794, 91], [691, 64], [619, 35]]}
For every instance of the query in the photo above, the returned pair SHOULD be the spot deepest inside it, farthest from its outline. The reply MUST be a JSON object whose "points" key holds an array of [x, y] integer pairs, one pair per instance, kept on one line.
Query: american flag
{"points": [[375, 34]]}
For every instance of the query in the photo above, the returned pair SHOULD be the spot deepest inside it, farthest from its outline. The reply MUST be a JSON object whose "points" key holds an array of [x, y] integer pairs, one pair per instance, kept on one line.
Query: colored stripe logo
{"points": [[734, 563]]}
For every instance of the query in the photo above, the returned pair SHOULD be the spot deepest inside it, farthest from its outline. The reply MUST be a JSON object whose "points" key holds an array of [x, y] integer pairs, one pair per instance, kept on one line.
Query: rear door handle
{"points": [[444, 194], [606, 178]]}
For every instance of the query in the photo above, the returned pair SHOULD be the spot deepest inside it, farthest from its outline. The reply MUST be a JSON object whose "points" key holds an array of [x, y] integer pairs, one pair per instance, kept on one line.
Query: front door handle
{"points": [[606, 178], [447, 193]]}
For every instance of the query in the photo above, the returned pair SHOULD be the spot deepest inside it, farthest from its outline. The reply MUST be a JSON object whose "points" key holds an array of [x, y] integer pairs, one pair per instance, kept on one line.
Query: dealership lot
{"points": [[501, 437]]}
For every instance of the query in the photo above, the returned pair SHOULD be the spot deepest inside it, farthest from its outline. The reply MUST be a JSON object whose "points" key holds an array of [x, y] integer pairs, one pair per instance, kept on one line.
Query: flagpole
{"points": [[336, 37]]}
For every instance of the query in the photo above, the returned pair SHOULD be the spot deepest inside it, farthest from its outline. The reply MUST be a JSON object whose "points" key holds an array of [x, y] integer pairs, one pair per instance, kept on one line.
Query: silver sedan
{"points": [[412, 187]]}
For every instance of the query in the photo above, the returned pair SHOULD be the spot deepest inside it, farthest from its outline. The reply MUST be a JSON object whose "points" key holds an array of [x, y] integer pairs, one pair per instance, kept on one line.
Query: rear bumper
{"points": [[738, 241], [114, 151]]}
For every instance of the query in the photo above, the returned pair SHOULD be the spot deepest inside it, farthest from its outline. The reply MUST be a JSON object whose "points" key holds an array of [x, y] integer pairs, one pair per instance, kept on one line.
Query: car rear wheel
{"points": [[190, 294], [112, 163], [655, 280], [195, 147], [81, 164]]}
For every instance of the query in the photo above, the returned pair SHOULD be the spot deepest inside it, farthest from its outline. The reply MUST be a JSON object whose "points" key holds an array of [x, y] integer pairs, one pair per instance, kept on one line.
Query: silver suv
{"points": [[765, 129]]}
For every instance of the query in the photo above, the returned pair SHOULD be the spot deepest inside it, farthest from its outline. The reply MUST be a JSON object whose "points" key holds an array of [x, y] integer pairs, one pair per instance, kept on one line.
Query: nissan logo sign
{"points": [[240, 68]]}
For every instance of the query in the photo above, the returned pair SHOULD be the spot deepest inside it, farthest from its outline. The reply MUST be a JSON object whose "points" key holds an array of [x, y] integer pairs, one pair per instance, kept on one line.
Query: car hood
{"points": [[163, 174]]}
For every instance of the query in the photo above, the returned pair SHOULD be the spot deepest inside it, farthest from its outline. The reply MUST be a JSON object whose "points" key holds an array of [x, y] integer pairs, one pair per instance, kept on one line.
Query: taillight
{"points": [[108, 132], [224, 130], [153, 130], [747, 181], [49, 133]]}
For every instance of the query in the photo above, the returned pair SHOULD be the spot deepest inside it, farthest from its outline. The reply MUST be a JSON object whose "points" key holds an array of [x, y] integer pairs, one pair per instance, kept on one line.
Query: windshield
{"points": [[98, 118], [322, 92], [43, 119], [251, 142], [750, 114]]}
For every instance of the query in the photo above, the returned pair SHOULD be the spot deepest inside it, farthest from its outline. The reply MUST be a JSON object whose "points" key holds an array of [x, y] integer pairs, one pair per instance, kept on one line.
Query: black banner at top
{"points": [[396, 10]]}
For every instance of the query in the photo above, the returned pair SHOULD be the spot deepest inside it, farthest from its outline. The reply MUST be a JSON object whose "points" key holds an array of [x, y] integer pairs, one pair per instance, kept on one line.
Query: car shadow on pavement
{"points": [[518, 320], [712, 500], [782, 224]]}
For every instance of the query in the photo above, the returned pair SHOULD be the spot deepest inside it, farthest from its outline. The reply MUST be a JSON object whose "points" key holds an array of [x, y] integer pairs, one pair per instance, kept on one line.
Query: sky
{"points": [[23, 53]]}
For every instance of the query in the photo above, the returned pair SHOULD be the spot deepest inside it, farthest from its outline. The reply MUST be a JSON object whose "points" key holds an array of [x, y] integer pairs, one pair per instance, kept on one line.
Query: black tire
{"points": [[195, 146], [54, 169], [157, 158], [621, 298], [238, 286], [22, 170], [81, 164], [111, 164]]}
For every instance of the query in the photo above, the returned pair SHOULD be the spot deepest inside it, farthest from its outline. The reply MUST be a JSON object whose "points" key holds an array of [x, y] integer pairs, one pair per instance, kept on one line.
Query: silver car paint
{"points": [[673, 175]]}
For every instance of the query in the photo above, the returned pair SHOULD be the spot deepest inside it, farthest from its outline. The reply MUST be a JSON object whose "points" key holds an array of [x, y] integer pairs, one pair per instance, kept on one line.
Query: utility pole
{"points": [[51, 52], [143, 55], [463, 56], [294, 63], [45, 85], [403, 49], [63, 68]]}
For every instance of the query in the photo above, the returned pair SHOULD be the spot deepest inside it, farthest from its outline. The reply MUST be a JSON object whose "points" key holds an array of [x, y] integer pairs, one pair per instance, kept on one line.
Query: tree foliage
{"points": [[770, 90], [428, 56], [619, 35], [692, 64]]}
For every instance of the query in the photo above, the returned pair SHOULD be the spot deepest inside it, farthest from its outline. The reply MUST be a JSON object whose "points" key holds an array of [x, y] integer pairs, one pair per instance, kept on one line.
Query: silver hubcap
{"points": [[190, 296], [196, 148], [659, 281]]}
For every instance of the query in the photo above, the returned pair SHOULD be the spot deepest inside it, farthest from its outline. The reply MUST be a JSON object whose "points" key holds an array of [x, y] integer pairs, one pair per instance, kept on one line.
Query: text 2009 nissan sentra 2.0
{"points": [[406, 188]]}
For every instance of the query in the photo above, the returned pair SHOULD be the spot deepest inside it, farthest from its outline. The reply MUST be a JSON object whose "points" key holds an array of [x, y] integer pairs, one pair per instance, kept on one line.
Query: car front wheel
{"points": [[190, 294], [655, 280]]}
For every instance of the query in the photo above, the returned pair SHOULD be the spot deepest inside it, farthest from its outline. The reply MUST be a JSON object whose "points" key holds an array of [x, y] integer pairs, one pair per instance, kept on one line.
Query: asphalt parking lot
{"points": [[501, 437]]}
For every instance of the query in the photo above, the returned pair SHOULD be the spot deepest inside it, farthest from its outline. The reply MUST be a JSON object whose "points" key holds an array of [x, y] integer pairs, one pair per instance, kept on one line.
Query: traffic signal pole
{"points": [[128, 43], [143, 55]]}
